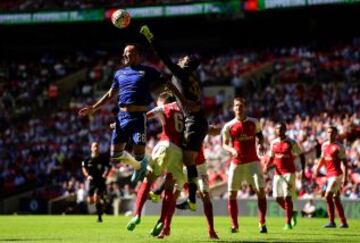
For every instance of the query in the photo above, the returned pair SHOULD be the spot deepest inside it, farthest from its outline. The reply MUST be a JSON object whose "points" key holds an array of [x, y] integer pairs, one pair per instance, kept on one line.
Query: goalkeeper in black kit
{"points": [[196, 126], [95, 169]]}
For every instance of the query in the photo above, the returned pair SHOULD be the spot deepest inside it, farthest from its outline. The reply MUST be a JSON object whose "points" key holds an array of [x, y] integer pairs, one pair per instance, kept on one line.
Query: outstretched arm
{"points": [[173, 67], [103, 100]]}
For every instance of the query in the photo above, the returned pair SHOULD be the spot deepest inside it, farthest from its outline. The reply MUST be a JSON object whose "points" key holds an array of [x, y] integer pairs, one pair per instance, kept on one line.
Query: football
{"points": [[121, 18]]}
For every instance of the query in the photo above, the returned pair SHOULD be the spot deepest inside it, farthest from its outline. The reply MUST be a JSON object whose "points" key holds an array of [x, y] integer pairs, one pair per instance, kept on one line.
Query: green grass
{"points": [[184, 229]]}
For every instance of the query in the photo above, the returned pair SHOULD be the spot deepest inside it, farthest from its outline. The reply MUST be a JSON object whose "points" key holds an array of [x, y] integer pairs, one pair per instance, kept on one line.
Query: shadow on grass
{"points": [[273, 241], [30, 239]]}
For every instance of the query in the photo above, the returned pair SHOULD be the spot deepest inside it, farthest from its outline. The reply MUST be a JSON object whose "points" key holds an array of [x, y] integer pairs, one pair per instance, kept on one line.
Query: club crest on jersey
{"points": [[141, 73]]}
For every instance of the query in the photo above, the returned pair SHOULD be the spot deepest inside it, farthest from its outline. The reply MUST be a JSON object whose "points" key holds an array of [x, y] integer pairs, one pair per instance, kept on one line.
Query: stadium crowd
{"points": [[47, 150]]}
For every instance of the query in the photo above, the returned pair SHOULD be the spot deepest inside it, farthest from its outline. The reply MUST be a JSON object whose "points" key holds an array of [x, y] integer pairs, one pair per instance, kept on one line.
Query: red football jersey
{"points": [[333, 153], [200, 159], [172, 121], [242, 137], [284, 154]]}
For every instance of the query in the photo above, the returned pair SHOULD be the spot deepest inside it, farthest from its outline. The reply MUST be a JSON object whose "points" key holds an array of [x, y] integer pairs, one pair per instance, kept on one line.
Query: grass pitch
{"points": [[184, 229]]}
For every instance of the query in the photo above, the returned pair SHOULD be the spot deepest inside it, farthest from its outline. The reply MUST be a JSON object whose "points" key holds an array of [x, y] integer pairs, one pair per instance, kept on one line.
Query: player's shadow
{"points": [[273, 241], [29, 239]]}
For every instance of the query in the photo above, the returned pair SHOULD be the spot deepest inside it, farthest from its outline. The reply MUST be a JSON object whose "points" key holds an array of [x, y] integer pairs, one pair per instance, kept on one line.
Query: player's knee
{"points": [[261, 193], [329, 195], [232, 195], [91, 200], [116, 154]]}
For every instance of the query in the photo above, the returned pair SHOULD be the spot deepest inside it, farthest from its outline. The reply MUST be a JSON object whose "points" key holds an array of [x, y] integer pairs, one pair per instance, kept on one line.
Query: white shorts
{"points": [[334, 184], [167, 157], [203, 180], [284, 185], [249, 172]]}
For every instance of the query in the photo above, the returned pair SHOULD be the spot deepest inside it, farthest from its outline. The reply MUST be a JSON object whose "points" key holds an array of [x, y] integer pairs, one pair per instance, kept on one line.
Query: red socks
{"points": [[165, 204], [340, 210], [281, 202], [233, 211], [262, 205], [143, 194], [289, 207], [330, 208], [208, 210]]}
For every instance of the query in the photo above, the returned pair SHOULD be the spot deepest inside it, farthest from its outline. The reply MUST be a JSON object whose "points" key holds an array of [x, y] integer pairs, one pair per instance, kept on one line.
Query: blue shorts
{"points": [[130, 126]]}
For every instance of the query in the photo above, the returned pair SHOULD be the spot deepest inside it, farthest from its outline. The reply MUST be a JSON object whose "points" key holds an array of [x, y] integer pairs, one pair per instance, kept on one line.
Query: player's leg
{"points": [[205, 196], [99, 199], [168, 197], [175, 168], [338, 204], [127, 127], [258, 183], [329, 194], [234, 183], [277, 192], [196, 128], [137, 130], [155, 195], [158, 158], [170, 213], [192, 174], [117, 149], [141, 198]]}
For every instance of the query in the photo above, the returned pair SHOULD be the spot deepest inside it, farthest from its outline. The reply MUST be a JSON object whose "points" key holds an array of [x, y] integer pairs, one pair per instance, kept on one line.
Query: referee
{"points": [[95, 169]]}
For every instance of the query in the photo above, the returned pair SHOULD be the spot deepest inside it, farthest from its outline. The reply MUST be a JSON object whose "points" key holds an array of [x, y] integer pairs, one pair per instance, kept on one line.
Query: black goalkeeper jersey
{"points": [[96, 166]]}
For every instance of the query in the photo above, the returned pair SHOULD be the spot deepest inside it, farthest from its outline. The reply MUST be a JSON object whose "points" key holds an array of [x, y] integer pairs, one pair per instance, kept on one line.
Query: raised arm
{"points": [[173, 67]]}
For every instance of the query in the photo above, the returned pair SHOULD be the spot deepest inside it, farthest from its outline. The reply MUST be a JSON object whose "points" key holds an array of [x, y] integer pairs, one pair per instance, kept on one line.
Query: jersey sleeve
{"points": [[295, 148], [323, 146], [342, 153], [271, 150], [225, 134], [115, 82], [257, 125], [84, 163]]}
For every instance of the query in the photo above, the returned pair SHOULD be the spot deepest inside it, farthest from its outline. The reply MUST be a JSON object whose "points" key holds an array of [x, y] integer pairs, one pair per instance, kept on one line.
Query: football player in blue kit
{"points": [[132, 85]]}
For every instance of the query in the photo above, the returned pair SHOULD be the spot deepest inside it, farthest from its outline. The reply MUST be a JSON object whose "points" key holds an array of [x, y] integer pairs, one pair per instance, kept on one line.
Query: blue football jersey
{"points": [[133, 84]]}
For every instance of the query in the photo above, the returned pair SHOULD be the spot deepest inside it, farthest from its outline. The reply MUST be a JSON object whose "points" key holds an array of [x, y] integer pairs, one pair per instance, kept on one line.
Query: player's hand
{"points": [[89, 110], [234, 153], [145, 31], [89, 178], [262, 149]]}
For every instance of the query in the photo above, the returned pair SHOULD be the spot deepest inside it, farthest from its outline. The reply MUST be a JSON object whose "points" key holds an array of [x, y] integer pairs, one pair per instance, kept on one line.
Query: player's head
{"points": [[164, 98], [280, 129], [132, 55], [94, 149], [239, 106], [190, 62], [331, 133]]}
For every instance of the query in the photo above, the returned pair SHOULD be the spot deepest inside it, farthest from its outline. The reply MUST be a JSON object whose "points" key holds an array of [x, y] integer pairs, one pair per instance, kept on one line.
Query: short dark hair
{"points": [[280, 124], [194, 62], [333, 128], [137, 46], [240, 99]]}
